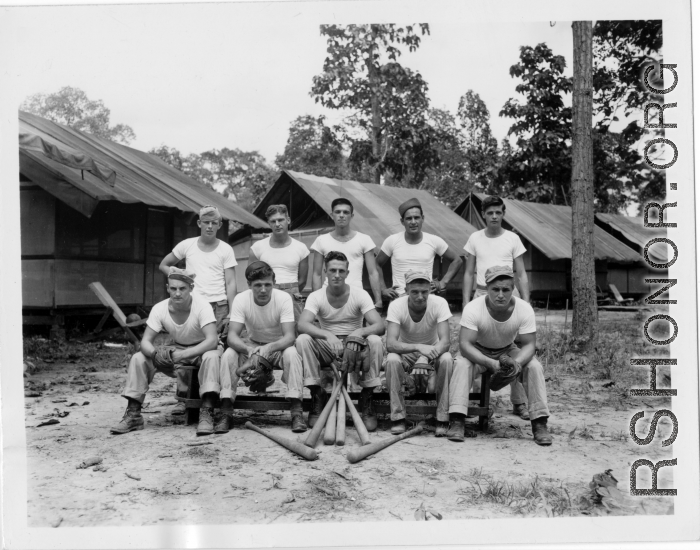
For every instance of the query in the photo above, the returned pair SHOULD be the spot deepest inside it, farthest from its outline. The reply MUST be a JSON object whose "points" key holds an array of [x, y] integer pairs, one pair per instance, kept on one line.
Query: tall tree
{"points": [[72, 107], [388, 130], [584, 324], [480, 147], [313, 148]]}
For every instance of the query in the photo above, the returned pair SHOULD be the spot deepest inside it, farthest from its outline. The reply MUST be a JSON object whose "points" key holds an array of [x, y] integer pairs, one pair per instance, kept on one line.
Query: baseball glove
{"points": [[258, 373], [355, 355], [163, 357], [509, 371]]}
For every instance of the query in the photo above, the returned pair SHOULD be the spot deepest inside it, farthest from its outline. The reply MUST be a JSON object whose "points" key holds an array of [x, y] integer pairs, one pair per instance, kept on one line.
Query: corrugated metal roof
{"points": [[632, 228], [548, 228], [140, 177], [376, 206]]}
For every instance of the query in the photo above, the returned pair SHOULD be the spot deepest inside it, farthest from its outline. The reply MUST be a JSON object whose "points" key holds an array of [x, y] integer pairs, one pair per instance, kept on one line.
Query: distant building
{"points": [[95, 210]]}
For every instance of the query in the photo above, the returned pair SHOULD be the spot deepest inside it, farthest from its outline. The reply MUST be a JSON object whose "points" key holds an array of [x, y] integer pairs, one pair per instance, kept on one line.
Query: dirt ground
{"points": [[158, 477]]}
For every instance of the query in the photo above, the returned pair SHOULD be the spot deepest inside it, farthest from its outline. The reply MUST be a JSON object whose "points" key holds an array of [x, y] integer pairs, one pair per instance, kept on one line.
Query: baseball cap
{"points": [[417, 275], [498, 271]]}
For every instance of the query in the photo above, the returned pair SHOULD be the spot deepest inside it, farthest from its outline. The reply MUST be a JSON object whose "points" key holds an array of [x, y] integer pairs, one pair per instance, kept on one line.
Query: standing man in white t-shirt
{"points": [[287, 257], [489, 247], [190, 323], [267, 314], [490, 324], [418, 327], [214, 263], [357, 247], [340, 309], [414, 250]]}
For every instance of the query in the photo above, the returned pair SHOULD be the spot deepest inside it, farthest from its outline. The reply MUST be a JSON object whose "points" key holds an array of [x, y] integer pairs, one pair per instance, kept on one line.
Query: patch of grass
{"points": [[537, 495]]}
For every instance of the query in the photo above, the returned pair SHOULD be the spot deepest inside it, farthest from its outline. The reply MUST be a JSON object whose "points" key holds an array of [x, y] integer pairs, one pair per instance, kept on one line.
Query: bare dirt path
{"points": [[155, 476]]}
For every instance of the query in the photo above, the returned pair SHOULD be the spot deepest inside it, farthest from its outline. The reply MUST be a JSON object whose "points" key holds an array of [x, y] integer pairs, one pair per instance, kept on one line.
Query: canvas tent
{"points": [[309, 198], [95, 210], [545, 230]]}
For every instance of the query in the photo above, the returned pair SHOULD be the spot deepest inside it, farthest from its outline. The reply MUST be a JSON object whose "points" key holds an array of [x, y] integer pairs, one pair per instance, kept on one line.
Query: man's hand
{"points": [[437, 287], [263, 350], [178, 356], [335, 344], [493, 366], [390, 293], [356, 354], [378, 305], [431, 352]]}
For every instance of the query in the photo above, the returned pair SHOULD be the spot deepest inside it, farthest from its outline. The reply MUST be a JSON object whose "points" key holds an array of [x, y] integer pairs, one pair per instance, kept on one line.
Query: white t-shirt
{"points": [[263, 323], [210, 282], [283, 261], [498, 334], [343, 321], [425, 331], [489, 252], [410, 257], [188, 333], [355, 249]]}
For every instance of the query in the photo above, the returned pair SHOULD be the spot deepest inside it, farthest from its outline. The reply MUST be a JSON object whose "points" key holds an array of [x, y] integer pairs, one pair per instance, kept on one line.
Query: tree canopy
{"points": [[72, 107]]}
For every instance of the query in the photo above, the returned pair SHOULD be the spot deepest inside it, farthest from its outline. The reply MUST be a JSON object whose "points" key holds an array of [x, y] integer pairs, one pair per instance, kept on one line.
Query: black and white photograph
{"points": [[300, 274]]}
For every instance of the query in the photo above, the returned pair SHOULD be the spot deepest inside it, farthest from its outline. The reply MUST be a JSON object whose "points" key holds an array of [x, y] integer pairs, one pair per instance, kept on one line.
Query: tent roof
{"points": [[632, 228], [103, 170], [375, 206], [548, 228]]}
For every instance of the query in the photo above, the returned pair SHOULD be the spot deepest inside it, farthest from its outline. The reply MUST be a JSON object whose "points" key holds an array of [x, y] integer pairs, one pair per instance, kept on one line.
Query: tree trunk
{"points": [[584, 323], [376, 134]]}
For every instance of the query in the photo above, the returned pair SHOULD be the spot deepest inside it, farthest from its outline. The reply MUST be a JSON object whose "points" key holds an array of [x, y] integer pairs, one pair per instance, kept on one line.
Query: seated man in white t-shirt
{"points": [[491, 246], [287, 257], [490, 325], [357, 247], [267, 314], [190, 323], [214, 263], [414, 250], [340, 309], [418, 328]]}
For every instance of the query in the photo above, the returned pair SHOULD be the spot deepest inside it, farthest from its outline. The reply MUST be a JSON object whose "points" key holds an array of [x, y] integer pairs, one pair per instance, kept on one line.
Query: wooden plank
{"points": [[108, 302], [38, 283]]}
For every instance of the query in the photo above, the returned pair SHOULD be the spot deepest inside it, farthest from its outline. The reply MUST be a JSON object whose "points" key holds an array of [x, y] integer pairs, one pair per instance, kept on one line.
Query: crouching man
{"points": [[418, 336], [490, 324], [268, 316], [340, 309], [190, 322]]}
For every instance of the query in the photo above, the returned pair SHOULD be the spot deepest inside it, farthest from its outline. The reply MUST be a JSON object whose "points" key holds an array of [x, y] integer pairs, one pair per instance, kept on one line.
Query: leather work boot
{"points": [[179, 409], [539, 431], [398, 427], [318, 401], [223, 423], [369, 417], [520, 410], [441, 429], [298, 424], [456, 431], [132, 420], [206, 422]]}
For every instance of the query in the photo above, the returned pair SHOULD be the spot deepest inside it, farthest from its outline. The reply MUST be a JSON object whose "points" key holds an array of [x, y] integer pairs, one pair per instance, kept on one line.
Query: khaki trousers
{"points": [[316, 353], [141, 372], [451, 389], [288, 360]]}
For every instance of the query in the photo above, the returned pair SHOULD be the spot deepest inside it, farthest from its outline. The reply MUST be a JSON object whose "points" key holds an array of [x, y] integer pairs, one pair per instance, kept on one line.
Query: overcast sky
{"points": [[204, 76]]}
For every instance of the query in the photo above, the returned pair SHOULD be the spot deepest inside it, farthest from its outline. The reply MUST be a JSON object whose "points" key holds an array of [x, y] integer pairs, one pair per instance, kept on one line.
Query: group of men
{"points": [[340, 325]]}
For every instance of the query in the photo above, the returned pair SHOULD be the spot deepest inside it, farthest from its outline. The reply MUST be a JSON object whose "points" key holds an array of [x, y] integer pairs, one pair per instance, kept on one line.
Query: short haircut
{"points": [[276, 209], [492, 200], [342, 200], [258, 270], [411, 208], [335, 255]]}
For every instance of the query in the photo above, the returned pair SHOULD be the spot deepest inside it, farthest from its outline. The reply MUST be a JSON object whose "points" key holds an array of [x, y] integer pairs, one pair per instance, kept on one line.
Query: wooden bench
{"points": [[259, 402]]}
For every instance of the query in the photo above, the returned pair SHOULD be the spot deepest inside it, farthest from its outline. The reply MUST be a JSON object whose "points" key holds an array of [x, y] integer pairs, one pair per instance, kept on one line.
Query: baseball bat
{"points": [[340, 428], [294, 446], [315, 433], [356, 419], [359, 453], [329, 434]]}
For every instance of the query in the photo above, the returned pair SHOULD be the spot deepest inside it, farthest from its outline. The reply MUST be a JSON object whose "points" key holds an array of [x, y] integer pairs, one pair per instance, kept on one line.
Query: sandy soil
{"points": [[156, 476]]}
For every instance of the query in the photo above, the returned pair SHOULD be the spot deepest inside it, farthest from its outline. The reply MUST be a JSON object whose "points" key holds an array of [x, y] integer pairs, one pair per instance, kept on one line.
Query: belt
{"points": [[287, 286], [480, 287], [492, 350]]}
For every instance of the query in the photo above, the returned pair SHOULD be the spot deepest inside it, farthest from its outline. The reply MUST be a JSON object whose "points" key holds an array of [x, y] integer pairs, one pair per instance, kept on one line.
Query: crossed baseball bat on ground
{"points": [[332, 424]]}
